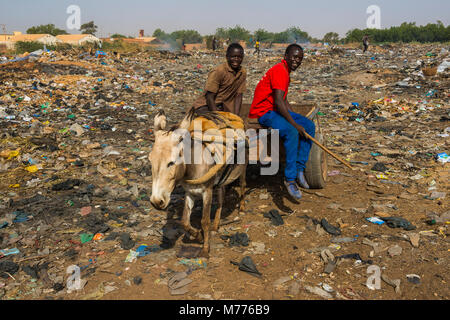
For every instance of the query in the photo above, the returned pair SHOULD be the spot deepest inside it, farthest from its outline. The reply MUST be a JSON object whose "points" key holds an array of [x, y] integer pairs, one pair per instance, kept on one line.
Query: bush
{"points": [[209, 40], [90, 45], [28, 46], [235, 34], [406, 32], [60, 47]]}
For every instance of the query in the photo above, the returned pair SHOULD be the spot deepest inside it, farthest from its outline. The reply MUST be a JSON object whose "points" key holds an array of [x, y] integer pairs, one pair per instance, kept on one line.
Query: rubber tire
{"points": [[313, 172]]}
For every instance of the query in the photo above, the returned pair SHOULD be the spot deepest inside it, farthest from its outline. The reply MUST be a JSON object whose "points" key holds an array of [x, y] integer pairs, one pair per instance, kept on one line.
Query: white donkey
{"points": [[169, 168]]}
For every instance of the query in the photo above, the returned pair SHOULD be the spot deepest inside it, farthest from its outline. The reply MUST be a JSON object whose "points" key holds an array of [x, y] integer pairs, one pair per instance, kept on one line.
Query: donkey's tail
{"points": [[208, 176]]}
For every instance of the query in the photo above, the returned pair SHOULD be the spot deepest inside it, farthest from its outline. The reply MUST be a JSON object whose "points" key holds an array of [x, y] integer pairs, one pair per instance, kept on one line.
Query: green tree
{"points": [[238, 33], [281, 37], [46, 29], [118, 36], [290, 35], [331, 37], [189, 36], [297, 35], [235, 34], [221, 33], [406, 32], [263, 35], [158, 33], [88, 28]]}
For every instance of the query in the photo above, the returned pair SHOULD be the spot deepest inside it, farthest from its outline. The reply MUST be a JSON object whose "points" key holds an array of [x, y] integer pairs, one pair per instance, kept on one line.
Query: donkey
{"points": [[169, 168]]}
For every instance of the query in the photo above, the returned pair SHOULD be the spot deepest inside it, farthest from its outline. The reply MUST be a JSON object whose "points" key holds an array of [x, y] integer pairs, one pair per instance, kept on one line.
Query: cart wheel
{"points": [[316, 168]]}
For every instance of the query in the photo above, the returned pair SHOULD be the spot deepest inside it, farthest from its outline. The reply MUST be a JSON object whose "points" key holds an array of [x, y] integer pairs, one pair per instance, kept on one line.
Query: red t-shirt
{"points": [[276, 78]]}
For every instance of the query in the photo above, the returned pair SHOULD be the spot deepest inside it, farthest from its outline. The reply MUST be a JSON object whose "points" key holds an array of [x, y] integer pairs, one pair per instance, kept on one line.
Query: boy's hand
{"points": [[301, 132]]}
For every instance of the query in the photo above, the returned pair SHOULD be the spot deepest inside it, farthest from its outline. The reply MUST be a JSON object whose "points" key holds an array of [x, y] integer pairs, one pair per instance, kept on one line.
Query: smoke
{"points": [[173, 46], [296, 38]]}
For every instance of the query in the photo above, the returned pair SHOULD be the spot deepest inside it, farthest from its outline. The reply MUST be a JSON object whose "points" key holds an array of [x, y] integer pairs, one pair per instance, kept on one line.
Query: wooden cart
{"points": [[316, 167]]}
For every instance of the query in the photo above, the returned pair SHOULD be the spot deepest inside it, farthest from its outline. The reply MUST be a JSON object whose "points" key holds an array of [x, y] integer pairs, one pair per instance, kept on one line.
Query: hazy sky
{"points": [[316, 17]]}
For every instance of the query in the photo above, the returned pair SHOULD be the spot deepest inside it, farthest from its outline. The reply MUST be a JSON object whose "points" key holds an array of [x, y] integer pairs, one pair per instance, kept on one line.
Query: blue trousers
{"points": [[297, 150]]}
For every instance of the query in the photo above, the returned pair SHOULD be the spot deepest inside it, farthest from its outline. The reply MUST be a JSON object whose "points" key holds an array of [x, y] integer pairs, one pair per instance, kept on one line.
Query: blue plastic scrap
{"points": [[20, 216], [375, 220], [99, 53], [7, 252], [144, 250]]}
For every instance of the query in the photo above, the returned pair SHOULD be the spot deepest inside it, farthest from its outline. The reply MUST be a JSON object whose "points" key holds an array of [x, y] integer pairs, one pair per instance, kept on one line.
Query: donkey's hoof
{"points": [[199, 237]]}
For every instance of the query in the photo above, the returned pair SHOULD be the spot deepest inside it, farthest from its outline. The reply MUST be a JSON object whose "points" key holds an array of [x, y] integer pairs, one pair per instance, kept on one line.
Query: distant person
{"points": [[183, 45], [271, 107], [214, 44], [226, 84], [257, 51], [365, 41]]}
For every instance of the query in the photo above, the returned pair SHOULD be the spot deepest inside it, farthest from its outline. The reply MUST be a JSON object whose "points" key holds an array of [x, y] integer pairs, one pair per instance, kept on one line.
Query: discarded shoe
{"points": [[335, 231], [273, 215], [248, 266], [397, 222], [237, 239], [126, 242]]}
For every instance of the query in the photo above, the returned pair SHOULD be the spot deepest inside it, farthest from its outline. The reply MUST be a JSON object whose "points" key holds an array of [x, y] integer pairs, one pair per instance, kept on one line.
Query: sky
{"points": [[127, 17]]}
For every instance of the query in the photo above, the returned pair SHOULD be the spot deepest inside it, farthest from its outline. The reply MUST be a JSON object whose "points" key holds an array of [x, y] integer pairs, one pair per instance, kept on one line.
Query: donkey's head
{"points": [[167, 159]]}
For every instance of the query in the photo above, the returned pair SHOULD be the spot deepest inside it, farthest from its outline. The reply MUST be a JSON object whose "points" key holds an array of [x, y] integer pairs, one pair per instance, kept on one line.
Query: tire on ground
{"points": [[315, 166]]}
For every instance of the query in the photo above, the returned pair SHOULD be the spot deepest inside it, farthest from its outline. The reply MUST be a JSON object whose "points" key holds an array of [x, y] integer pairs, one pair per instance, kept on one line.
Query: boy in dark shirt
{"points": [[226, 84]]}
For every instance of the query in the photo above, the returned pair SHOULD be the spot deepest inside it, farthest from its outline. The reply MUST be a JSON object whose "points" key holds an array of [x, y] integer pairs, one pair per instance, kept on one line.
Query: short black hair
{"points": [[292, 47], [234, 46]]}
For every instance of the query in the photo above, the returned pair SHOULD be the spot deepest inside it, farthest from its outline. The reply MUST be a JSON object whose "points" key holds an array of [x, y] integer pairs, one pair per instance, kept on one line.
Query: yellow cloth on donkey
{"points": [[218, 130]]}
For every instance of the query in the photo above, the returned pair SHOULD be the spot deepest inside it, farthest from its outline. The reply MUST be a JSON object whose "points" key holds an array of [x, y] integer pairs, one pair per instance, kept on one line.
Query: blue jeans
{"points": [[297, 150]]}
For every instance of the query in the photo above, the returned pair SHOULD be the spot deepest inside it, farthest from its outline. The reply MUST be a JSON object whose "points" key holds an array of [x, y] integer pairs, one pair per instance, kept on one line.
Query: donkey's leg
{"points": [[220, 195], [206, 221], [242, 180], [186, 219]]}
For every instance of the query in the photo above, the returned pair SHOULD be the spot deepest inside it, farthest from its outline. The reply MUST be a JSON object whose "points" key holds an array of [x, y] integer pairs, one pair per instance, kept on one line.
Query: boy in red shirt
{"points": [[272, 109]]}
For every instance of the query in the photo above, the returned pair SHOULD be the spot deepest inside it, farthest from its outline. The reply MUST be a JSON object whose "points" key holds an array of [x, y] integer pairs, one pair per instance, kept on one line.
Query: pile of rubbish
{"points": [[77, 128]]}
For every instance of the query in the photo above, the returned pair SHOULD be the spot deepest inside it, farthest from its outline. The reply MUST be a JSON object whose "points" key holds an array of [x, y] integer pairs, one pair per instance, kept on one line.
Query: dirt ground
{"points": [[399, 131]]}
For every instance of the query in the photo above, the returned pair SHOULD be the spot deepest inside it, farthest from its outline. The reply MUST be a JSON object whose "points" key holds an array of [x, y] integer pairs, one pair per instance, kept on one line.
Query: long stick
{"points": [[328, 151]]}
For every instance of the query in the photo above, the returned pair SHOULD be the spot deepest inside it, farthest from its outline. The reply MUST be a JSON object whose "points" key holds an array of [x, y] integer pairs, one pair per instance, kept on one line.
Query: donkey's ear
{"points": [[160, 121], [186, 122]]}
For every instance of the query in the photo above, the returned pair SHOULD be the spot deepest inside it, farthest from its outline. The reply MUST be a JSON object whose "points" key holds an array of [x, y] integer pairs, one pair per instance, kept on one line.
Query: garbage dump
{"points": [[75, 217]]}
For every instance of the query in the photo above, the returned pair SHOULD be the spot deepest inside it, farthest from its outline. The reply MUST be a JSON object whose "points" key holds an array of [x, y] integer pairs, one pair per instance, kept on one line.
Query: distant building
{"points": [[10, 41], [152, 42], [147, 40], [42, 38], [78, 39], [6, 37]]}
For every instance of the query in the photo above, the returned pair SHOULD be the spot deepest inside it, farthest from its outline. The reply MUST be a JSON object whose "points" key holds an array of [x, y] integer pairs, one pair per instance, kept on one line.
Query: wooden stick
{"points": [[328, 151], [34, 257]]}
